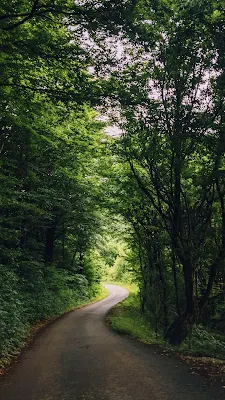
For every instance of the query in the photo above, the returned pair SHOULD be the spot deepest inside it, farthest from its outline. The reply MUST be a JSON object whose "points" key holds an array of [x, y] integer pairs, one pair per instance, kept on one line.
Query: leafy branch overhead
{"points": [[90, 14], [172, 116], [75, 202]]}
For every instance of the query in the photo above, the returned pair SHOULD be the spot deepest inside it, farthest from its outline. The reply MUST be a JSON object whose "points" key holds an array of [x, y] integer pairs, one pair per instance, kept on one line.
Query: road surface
{"points": [[79, 358]]}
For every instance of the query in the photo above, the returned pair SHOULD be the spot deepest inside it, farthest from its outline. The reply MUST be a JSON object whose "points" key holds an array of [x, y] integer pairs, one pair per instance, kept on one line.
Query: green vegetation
{"points": [[112, 254], [78, 206], [65, 301], [126, 318], [171, 162], [50, 184]]}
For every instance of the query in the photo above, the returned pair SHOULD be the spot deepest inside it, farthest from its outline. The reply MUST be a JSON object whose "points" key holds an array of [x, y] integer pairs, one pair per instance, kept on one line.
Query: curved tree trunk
{"points": [[180, 328]]}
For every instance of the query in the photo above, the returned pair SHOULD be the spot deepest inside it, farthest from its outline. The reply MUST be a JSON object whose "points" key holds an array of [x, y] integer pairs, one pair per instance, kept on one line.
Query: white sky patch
{"points": [[113, 131], [112, 54]]}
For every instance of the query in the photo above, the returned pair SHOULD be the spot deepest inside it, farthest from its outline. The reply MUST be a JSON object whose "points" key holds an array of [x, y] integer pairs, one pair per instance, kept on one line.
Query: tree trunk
{"points": [[180, 328], [175, 281], [49, 243], [164, 290]]}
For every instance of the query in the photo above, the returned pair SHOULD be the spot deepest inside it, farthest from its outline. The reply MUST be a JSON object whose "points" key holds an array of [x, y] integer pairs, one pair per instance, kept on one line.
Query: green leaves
{"points": [[50, 147], [173, 134]]}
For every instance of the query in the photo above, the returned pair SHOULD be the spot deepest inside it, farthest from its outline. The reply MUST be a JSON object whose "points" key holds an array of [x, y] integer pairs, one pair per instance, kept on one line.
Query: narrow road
{"points": [[78, 358]]}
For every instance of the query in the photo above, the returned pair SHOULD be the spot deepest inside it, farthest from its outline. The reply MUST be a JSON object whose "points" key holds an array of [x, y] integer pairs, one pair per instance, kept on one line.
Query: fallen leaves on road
{"points": [[212, 368]]}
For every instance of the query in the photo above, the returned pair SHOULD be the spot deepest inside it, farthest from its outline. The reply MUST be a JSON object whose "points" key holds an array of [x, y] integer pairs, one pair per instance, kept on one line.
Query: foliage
{"points": [[170, 100], [162, 181], [112, 253], [126, 318], [204, 343], [50, 149], [59, 291]]}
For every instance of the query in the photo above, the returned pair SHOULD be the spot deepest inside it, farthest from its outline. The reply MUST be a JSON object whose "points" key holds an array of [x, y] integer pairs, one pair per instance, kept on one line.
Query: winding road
{"points": [[78, 358]]}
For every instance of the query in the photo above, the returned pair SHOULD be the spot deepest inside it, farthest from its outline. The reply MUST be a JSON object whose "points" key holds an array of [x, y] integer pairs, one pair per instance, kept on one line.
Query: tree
{"points": [[172, 116], [50, 144]]}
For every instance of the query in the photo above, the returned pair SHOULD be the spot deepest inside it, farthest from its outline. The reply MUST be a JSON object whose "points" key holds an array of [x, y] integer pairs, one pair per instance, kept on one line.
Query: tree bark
{"points": [[49, 243]]}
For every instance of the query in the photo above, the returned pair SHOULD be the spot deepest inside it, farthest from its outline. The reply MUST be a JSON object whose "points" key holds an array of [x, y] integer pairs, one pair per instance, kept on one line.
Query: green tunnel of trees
{"points": [[157, 70]]}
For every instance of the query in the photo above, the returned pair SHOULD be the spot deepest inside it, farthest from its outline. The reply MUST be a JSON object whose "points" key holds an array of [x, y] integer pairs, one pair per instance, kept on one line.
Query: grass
{"points": [[103, 293], [132, 287], [205, 351], [204, 343], [125, 317]]}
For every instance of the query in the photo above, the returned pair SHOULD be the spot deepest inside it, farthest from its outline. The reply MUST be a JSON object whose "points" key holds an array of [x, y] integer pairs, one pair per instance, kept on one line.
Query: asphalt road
{"points": [[78, 358]]}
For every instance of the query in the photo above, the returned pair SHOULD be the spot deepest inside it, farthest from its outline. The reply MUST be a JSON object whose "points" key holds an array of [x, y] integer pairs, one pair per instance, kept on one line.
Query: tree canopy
{"points": [[156, 69]]}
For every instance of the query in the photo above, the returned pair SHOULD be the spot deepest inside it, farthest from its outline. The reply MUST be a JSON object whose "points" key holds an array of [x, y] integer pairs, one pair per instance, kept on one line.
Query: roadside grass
{"points": [[103, 293], [205, 350], [205, 343], [131, 287], [126, 318], [100, 295]]}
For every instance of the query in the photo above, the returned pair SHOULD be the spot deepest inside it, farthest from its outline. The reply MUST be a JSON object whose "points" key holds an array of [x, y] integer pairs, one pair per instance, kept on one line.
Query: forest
{"points": [[112, 154]]}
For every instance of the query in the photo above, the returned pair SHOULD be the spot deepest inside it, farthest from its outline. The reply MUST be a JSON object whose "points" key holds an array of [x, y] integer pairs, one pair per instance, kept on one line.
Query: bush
{"points": [[205, 343], [13, 323], [22, 304]]}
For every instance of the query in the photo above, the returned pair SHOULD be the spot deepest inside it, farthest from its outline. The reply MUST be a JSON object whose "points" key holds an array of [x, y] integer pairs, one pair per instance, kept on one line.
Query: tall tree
{"points": [[172, 118]]}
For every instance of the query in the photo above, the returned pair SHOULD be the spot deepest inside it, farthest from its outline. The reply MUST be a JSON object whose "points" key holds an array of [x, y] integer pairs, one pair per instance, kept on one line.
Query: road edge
{"points": [[40, 326]]}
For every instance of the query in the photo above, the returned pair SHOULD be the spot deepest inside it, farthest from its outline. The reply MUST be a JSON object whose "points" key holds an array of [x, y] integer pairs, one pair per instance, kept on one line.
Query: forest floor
{"points": [[204, 353]]}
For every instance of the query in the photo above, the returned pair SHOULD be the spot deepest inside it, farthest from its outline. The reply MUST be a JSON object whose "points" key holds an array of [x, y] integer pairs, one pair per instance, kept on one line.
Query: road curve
{"points": [[78, 358]]}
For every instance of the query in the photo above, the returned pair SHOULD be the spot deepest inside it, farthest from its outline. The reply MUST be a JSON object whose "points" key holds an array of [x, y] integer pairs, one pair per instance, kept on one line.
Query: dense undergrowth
{"points": [[60, 292]]}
